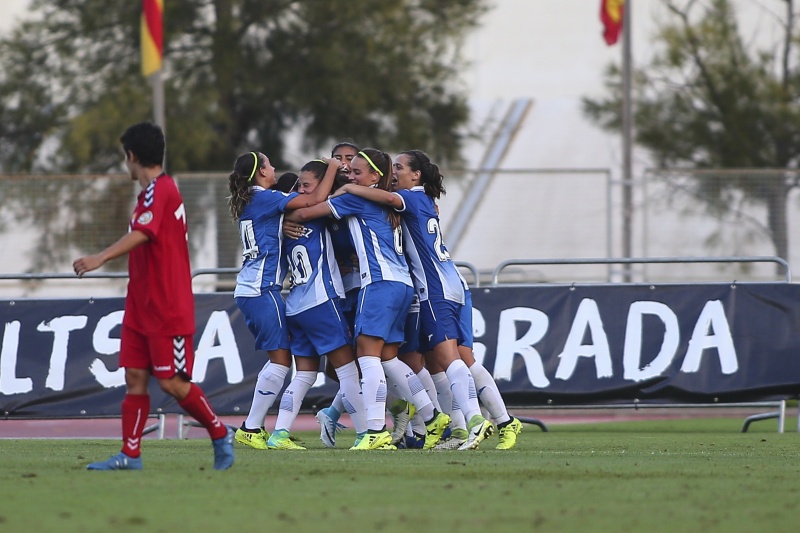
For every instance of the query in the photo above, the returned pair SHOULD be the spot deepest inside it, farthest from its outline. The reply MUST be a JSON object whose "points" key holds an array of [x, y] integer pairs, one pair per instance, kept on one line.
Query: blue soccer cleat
{"points": [[117, 462]]}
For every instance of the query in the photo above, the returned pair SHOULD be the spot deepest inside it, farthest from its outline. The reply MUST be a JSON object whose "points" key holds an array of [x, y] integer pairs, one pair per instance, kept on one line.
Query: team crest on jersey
{"points": [[145, 218]]}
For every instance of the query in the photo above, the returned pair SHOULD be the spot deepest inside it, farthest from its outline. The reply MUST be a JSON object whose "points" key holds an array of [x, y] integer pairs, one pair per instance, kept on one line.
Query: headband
{"points": [[255, 166], [320, 161], [365, 156]]}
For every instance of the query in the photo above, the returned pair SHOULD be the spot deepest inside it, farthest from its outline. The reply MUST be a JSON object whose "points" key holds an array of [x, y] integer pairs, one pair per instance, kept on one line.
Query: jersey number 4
{"points": [[248, 236]]}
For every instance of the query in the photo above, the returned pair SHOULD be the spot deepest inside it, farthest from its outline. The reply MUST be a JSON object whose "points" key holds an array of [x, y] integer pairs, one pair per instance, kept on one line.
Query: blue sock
{"points": [[332, 413]]}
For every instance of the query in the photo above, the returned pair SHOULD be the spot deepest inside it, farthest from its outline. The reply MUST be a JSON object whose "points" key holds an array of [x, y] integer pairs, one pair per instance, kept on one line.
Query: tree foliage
{"points": [[709, 100], [240, 74]]}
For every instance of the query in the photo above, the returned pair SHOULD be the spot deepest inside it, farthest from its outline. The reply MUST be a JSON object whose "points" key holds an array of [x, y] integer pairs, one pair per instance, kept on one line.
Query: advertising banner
{"points": [[545, 345]]}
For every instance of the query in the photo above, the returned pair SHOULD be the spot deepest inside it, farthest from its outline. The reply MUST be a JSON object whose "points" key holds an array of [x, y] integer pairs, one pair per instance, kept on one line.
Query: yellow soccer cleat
{"points": [[254, 438], [280, 440], [375, 441], [508, 434], [435, 429]]}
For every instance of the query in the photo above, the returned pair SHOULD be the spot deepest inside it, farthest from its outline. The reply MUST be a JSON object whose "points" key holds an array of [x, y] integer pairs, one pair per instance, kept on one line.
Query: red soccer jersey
{"points": [[160, 300]]}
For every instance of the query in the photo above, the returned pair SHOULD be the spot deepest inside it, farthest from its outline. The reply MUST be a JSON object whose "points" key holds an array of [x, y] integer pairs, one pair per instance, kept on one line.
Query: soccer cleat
{"points": [[508, 434], [435, 429], [413, 442], [223, 451], [457, 438], [328, 428], [280, 440], [381, 440], [479, 429], [255, 438], [402, 413], [117, 462]]}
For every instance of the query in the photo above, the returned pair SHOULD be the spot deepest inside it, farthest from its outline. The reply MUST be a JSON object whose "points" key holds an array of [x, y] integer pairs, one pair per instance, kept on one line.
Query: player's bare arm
{"points": [[128, 242], [379, 196], [322, 191]]}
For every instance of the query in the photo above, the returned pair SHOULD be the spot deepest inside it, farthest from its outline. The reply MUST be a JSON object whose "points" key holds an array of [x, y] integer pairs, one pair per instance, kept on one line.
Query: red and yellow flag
{"points": [[152, 36], [611, 16]]}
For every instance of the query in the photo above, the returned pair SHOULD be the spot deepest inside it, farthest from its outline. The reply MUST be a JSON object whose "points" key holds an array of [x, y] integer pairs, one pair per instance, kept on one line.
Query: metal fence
{"points": [[47, 221]]}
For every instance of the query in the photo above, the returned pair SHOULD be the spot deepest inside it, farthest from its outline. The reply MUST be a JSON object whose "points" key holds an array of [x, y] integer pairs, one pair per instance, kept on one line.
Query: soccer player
{"points": [[259, 208], [159, 323], [316, 323], [436, 279], [384, 298]]}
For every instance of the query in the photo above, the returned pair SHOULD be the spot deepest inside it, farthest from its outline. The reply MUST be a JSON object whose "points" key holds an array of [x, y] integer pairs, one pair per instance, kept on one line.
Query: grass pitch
{"points": [[685, 475]]}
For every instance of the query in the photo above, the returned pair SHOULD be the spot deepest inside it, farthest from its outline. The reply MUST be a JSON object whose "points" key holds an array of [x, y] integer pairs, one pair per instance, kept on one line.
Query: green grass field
{"points": [[683, 475]]}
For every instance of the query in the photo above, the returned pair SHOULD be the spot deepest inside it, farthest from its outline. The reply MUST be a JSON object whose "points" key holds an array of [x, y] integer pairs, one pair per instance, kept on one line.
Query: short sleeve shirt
{"points": [[160, 300]]}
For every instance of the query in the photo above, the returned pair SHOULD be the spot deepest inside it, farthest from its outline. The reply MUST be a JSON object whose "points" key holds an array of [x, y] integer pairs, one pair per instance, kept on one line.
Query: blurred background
{"points": [[519, 102]]}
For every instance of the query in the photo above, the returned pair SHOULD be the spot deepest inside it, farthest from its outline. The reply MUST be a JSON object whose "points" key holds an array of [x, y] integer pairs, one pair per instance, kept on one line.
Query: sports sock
{"points": [[463, 388], [488, 393], [292, 398], [352, 399], [337, 407], [268, 385], [427, 382], [135, 408], [196, 404], [445, 396], [373, 388], [409, 387]]}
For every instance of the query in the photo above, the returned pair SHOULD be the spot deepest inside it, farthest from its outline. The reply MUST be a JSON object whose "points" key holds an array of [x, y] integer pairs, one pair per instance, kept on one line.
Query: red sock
{"points": [[196, 404], [135, 408]]}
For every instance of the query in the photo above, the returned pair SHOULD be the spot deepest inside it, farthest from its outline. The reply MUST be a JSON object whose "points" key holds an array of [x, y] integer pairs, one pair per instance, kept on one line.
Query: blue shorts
{"points": [[466, 333], [439, 321], [382, 310], [319, 330], [348, 306], [265, 317], [411, 332]]}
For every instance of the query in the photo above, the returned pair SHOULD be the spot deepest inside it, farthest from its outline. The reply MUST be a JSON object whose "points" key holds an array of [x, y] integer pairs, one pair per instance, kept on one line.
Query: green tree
{"points": [[708, 100], [239, 75]]}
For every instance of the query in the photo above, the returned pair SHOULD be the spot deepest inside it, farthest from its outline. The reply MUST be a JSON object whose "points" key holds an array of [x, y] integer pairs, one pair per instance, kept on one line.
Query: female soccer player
{"points": [[316, 324], [384, 298], [259, 210], [436, 278]]}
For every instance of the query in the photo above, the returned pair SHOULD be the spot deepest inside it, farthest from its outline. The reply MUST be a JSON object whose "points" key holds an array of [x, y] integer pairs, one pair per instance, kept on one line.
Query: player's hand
{"points": [[82, 265], [293, 230]]}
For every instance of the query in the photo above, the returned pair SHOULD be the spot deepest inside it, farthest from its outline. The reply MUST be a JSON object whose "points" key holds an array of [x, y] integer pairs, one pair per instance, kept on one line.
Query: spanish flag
{"points": [[611, 16], [152, 36]]}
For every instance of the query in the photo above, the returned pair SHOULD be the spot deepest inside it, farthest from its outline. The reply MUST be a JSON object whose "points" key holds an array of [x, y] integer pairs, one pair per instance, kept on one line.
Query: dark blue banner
{"points": [[555, 345]]}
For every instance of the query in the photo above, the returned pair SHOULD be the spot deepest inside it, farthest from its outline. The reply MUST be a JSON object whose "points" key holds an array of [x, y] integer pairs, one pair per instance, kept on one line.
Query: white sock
{"points": [[449, 405], [373, 389], [425, 378], [337, 403], [268, 386], [292, 398], [445, 397], [463, 387], [488, 393], [351, 397], [409, 387]]}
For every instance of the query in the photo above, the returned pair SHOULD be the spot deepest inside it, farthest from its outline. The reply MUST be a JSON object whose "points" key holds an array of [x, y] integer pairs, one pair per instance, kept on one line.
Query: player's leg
{"points": [[173, 362], [135, 408]]}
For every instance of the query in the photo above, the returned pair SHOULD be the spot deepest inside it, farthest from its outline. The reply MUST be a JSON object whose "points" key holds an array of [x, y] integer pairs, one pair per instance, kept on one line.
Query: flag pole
{"points": [[159, 117], [627, 141]]}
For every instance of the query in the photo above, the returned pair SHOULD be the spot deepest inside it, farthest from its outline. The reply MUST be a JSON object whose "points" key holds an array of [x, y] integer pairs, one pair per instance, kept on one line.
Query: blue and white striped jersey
{"points": [[344, 250], [312, 268], [435, 275], [378, 246], [260, 228]]}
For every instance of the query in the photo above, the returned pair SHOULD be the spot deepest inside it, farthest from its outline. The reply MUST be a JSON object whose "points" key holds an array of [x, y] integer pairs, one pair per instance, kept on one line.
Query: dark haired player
{"points": [[159, 308]]}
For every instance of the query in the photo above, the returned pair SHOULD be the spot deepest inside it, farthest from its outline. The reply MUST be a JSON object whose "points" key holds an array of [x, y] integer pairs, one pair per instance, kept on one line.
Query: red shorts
{"points": [[163, 356]]}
